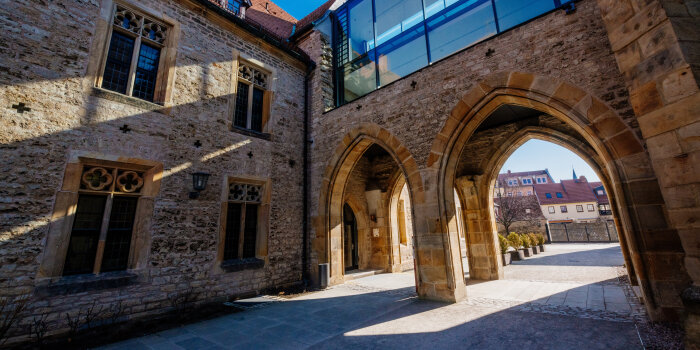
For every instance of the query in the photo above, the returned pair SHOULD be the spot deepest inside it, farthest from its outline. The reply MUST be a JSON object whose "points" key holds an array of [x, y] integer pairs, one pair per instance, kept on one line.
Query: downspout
{"points": [[305, 222]]}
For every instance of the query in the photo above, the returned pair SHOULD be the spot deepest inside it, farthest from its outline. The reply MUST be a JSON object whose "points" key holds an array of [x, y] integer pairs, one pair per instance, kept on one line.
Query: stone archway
{"points": [[618, 153], [327, 244]]}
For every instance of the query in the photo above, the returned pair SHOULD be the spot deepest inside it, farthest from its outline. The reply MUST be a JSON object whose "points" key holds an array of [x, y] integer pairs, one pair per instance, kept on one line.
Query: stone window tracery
{"points": [[252, 102], [243, 209], [100, 239], [134, 53]]}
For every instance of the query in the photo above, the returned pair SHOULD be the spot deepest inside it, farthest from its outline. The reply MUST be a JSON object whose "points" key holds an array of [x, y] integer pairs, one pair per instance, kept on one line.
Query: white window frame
{"points": [[552, 210]]}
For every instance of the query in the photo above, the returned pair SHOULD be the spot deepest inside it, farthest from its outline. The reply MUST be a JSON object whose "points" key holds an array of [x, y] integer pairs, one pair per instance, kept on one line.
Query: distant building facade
{"points": [[521, 183], [573, 201]]}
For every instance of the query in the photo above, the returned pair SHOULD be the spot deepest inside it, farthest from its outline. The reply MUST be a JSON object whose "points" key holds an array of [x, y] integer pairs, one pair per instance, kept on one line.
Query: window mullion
{"points": [[103, 234], [134, 63], [241, 231]]}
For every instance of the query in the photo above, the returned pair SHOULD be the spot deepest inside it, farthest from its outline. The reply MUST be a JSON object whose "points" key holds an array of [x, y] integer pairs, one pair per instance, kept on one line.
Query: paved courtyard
{"points": [[568, 297]]}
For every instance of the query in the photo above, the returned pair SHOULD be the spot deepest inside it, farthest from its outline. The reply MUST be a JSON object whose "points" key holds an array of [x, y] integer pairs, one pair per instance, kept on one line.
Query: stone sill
{"points": [[85, 283], [132, 101], [242, 264], [248, 132]]}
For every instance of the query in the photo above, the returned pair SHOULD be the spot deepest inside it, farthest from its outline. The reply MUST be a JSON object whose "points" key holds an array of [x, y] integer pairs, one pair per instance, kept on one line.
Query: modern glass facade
{"points": [[379, 41]]}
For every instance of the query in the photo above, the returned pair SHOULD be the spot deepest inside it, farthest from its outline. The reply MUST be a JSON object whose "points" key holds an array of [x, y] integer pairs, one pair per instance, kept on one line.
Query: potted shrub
{"points": [[515, 242], [534, 242], [503, 243], [527, 245], [541, 240]]}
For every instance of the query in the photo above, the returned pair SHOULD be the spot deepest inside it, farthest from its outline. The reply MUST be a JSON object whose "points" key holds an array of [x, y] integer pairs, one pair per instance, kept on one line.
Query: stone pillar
{"points": [[439, 270], [654, 43], [481, 239]]}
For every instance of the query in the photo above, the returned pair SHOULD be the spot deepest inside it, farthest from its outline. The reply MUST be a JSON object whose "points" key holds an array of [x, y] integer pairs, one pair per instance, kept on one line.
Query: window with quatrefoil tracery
{"points": [[252, 101], [101, 235], [138, 37], [243, 207]]}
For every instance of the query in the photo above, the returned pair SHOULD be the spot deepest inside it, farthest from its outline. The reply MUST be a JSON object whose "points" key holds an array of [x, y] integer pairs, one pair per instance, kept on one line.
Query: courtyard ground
{"points": [[573, 296]]}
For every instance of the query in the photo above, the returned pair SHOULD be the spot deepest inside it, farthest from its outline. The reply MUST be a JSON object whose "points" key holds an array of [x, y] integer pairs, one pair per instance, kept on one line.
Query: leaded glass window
{"points": [[242, 217], [104, 220], [253, 84], [133, 57]]}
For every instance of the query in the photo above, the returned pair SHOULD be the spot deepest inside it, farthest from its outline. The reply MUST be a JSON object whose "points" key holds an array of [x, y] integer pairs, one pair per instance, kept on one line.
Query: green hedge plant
{"points": [[526, 241], [540, 239], [504, 244], [515, 241], [534, 240]]}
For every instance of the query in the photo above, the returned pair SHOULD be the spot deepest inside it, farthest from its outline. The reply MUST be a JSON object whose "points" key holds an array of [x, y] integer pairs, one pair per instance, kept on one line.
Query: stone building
{"points": [[521, 183], [113, 110], [568, 201]]}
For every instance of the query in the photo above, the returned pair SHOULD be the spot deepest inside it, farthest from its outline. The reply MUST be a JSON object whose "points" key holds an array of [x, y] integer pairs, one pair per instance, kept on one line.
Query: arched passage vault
{"points": [[582, 123], [431, 270]]}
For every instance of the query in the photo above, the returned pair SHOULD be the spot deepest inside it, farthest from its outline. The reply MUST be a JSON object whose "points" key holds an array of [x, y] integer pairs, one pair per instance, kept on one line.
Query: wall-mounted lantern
{"points": [[199, 183]]}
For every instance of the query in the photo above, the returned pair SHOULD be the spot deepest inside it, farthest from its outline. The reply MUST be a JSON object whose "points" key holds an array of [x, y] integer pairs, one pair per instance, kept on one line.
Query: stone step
{"points": [[355, 274]]}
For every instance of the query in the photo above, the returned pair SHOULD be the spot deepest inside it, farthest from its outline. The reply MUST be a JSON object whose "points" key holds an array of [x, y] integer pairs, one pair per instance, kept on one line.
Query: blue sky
{"points": [[537, 155], [299, 8]]}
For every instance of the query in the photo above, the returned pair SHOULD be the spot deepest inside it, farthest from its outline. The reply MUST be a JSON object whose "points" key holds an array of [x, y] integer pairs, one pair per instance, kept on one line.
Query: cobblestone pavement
{"points": [[585, 305]]}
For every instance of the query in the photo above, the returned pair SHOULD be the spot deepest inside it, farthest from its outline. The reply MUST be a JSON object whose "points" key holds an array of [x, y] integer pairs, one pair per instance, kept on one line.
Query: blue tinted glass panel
{"points": [[460, 26], [359, 78], [361, 28], [116, 75], [513, 12], [146, 72], [402, 56], [432, 7], [395, 17]]}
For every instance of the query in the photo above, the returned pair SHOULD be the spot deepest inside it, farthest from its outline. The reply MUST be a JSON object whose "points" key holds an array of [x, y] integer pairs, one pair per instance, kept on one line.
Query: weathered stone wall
{"points": [[44, 51], [567, 59], [572, 48]]}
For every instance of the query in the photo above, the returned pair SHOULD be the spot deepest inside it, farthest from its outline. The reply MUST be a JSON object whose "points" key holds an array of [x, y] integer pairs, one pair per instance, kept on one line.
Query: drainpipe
{"points": [[305, 222]]}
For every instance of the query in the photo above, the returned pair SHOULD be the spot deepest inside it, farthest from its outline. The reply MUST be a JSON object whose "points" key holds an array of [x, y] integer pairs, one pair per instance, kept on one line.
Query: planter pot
{"points": [[517, 255], [528, 252], [541, 247], [506, 259], [535, 250]]}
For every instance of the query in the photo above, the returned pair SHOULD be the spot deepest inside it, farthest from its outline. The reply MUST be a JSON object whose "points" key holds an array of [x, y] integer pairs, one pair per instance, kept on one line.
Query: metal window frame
{"points": [[340, 65]]}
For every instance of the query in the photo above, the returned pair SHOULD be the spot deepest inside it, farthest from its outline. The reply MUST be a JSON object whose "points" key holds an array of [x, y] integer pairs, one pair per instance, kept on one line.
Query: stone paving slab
{"points": [[576, 310]]}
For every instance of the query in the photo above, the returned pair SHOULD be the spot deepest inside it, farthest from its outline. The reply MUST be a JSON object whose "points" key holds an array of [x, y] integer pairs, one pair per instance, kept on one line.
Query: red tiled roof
{"points": [[573, 191], [602, 198], [503, 177], [271, 16], [315, 14]]}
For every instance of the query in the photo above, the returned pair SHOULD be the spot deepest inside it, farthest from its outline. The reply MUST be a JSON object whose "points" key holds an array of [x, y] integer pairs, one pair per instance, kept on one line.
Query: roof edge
{"points": [[289, 49]]}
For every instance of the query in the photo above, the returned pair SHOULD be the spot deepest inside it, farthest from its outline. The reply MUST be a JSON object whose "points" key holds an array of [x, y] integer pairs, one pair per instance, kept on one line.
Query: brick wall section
{"points": [[43, 64]]}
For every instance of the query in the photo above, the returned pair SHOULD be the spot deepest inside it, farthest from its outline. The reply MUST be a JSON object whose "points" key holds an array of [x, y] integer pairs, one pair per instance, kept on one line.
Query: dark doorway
{"points": [[350, 239]]}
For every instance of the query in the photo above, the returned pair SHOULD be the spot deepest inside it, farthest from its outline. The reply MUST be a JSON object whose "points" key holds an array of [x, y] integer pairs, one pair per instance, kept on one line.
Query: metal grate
{"points": [[82, 248], [116, 75], [121, 225], [146, 72]]}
